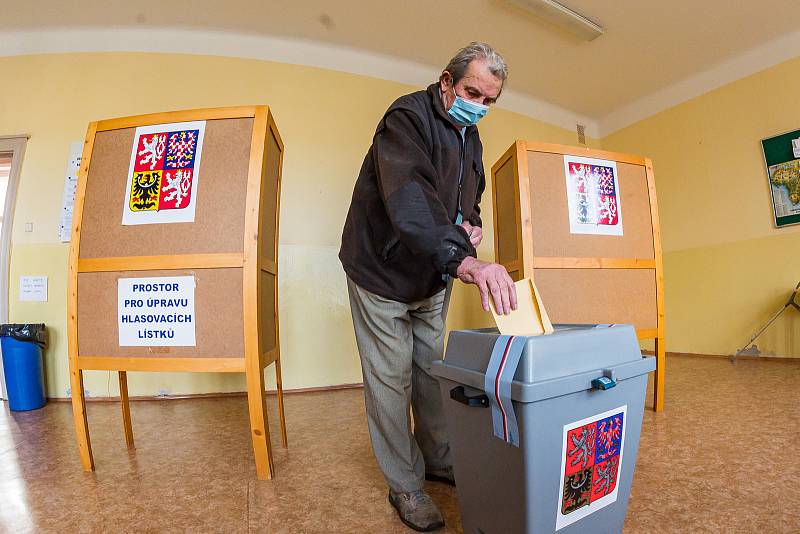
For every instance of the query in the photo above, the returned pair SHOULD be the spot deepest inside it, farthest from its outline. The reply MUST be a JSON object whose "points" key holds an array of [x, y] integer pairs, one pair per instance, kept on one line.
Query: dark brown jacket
{"points": [[399, 237]]}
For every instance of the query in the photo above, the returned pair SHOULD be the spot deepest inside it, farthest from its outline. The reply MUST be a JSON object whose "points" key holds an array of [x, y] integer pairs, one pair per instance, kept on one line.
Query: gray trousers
{"points": [[397, 343]]}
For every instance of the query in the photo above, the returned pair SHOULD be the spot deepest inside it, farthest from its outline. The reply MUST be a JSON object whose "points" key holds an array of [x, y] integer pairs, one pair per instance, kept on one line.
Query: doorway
{"points": [[12, 150]]}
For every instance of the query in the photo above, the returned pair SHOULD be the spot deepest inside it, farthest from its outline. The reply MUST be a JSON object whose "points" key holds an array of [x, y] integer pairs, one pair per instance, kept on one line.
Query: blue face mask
{"points": [[465, 112]]}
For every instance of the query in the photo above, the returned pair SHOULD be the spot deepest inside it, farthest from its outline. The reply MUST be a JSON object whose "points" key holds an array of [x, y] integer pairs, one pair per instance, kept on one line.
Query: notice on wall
{"points": [[796, 147], [591, 462], [163, 173], [33, 288], [782, 156], [70, 187], [156, 311], [593, 196]]}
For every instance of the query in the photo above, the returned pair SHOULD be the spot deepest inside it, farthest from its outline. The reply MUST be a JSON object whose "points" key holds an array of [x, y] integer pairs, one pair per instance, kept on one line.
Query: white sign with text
{"points": [[156, 311], [33, 288]]}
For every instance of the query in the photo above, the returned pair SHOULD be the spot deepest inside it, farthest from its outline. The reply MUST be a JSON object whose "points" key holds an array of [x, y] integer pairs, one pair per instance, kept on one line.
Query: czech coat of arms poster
{"points": [[591, 462], [163, 173], [593, 196]]}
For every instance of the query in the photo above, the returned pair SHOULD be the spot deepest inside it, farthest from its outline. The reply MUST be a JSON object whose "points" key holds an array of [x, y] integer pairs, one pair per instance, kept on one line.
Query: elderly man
{"points": [[414, 223]]}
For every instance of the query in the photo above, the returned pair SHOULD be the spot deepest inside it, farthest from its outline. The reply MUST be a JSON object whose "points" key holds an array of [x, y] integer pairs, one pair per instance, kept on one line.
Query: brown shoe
{"points": [[417, 510], [444, 475]]}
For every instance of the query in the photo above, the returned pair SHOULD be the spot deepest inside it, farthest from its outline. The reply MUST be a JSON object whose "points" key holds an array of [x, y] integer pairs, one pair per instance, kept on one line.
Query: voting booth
{"points": [[173, 261], [584, 225]]}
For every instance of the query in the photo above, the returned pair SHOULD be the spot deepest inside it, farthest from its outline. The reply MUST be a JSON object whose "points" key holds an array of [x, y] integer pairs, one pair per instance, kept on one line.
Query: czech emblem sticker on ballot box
{"points": [[591, 461], [163, 173], [156, 312]]}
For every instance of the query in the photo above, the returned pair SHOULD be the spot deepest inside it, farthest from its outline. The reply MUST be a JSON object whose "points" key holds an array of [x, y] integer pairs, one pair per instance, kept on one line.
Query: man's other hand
{"points": [[491, 279], [475, 233]]}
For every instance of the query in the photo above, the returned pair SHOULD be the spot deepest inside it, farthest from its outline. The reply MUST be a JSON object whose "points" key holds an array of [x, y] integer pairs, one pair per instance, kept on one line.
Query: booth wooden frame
{"points": [[250, 261], [527, 262]]}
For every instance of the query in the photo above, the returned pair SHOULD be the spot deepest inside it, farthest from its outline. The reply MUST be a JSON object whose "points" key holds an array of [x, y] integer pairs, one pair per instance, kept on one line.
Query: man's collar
{"points": [[436, 99]]}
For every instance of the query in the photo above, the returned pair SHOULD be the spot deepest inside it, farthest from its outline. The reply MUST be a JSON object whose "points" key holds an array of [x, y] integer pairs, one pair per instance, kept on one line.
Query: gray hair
{"points": [[457, 66]]}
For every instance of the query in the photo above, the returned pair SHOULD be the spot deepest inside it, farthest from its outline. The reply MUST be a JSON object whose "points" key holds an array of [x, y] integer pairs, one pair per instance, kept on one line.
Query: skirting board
{"points": [[728, 356], [360, 385], [212, 395]]}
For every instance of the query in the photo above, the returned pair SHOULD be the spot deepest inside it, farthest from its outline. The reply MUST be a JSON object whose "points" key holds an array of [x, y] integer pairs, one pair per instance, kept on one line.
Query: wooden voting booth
{"points": [[583, 278], [228, 163]]}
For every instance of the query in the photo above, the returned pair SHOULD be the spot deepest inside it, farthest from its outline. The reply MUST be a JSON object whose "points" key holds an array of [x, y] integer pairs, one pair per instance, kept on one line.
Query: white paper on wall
{"points": [[33, 288], [70, 187]]}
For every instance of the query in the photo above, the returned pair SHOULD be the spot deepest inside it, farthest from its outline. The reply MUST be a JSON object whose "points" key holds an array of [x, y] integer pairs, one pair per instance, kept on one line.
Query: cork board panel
{"points": [[550, 216], [221, 191], [218, 310], [269, 329], [599, 296], [507, 217], [269, 198]]}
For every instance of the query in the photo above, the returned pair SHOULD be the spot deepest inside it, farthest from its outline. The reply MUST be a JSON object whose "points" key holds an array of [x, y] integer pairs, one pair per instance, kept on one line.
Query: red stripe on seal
{"points": [[497, 387]]}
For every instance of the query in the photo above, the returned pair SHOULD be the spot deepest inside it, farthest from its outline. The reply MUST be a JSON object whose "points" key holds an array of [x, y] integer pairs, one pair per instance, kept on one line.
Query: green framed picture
{"points": [[782, 157]]}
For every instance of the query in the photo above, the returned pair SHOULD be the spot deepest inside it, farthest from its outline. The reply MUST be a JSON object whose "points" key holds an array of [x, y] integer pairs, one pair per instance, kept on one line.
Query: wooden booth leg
{"points": [[658, 386], [126, 408], [81, 421], [281, 414], [259, 422]]}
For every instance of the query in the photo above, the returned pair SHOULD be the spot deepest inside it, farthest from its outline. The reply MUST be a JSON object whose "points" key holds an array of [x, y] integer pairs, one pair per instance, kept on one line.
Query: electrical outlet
{"points": [[29, 227]]}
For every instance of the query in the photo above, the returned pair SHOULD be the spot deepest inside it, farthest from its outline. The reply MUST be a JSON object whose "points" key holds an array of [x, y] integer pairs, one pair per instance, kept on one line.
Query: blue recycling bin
{"points": [[23, 365]]}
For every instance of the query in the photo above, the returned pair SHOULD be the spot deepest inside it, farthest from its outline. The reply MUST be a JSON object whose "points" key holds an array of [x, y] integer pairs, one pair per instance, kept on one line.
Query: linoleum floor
{"points": [[723, 457]]}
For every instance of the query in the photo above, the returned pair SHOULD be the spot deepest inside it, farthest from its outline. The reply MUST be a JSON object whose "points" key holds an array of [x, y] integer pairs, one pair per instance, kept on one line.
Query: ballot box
{"points": [[544, 430]]}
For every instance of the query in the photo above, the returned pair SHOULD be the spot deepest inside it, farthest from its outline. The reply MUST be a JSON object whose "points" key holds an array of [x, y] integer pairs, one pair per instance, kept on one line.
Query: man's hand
{"points": [[475, 233], [491, 278]]}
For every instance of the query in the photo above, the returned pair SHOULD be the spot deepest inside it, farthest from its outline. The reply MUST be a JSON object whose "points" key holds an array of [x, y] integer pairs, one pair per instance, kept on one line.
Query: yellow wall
{"points": [[326, 119], [727, 268]]}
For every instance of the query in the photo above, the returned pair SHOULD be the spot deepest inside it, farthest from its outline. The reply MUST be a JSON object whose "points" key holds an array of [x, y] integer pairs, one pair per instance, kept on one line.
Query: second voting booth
{"points": [[584, 225], [173, 263]]}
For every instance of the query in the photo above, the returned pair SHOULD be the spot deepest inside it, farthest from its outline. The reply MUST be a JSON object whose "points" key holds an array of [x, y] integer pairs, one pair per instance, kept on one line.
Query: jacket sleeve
{"points": [[407, 178]]}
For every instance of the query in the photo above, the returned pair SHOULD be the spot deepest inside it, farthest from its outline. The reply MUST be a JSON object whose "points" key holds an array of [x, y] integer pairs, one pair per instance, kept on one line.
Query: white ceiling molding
{"points": [[284, 50], [754, 60]]}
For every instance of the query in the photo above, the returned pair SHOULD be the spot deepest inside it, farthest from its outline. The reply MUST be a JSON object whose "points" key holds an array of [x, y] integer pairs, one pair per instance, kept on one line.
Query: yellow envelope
{"points": [[529, 319]]}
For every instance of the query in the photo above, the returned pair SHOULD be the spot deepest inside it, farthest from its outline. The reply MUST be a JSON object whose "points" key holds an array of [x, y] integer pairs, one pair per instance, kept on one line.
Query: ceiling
{"points": [[652, 55]]}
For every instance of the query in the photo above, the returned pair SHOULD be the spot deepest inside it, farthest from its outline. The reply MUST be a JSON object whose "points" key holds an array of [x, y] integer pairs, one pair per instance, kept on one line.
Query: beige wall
{"points": [[727, 268], [326, 119]]}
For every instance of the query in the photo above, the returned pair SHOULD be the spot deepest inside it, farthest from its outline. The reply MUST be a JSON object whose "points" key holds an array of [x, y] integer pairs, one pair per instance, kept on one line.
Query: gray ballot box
{"points": [[576, 399]]}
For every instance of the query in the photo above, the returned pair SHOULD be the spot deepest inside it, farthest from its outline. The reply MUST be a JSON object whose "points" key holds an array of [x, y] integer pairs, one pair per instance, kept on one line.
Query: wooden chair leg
{"points": [[259, 422], [126, 409], [281, 414], [81, 421], [658, 386]]}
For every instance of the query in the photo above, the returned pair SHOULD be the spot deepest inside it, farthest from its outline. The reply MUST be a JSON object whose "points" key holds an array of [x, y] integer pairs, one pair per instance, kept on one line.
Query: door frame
{"points": [[16, 145]]}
